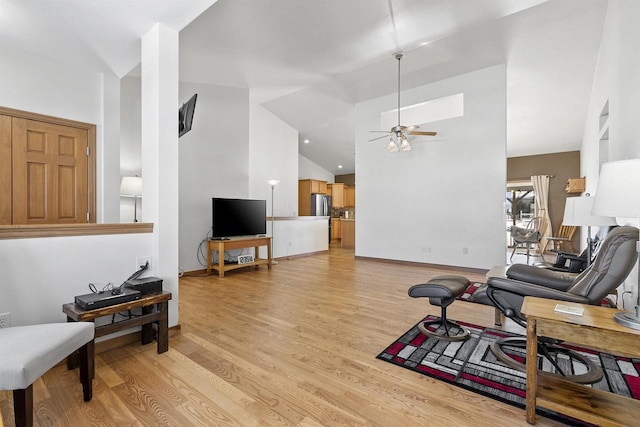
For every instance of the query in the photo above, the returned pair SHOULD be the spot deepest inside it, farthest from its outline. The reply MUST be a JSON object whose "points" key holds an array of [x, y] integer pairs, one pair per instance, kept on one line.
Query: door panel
{"points": [[50, 178]]}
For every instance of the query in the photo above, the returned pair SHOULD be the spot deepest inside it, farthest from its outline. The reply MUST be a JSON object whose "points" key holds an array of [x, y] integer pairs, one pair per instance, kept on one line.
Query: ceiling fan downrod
{"points": [[398, 56]]}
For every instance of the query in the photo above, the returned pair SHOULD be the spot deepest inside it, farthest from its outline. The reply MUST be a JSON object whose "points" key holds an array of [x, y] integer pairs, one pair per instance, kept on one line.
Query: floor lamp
{"points": [[577, 211], [618, 195], [131, 186], [272, 183]]}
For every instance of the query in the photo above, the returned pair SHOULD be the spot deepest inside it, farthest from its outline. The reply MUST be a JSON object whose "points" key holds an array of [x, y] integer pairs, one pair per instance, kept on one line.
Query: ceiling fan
{"points": [[398, 134]]}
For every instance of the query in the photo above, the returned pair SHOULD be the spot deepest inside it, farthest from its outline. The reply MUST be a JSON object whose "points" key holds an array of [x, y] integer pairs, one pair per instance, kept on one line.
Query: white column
{"points": [[108, 170], [160, 154]]}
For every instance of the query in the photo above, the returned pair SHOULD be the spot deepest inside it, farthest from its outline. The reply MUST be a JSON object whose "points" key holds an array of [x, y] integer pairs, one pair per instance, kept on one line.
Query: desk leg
{"points": [[221, 259], [532, 370], [208, 256], [163, 327], [147, 329], [497, 317]]}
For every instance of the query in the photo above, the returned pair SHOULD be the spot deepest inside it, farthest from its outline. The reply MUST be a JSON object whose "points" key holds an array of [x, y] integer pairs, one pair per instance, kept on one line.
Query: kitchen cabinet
{"points": [[348, 233], [306, 187], [336, 229], [337, 195], [576, 185], [350, 196]]}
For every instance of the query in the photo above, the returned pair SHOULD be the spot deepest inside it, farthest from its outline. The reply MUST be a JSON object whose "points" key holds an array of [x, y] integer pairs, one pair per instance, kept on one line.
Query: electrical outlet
{"points": [[142, 261], [465, 251], [5, 320]]}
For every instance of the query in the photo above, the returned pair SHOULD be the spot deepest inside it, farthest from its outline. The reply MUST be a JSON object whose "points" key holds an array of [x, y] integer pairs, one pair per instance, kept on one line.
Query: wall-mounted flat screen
{"points": [[238, 217], [185, 115]]}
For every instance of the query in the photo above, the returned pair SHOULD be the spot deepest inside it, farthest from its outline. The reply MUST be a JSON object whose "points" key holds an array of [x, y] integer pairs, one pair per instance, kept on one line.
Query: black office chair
{"points": [[614, 262]]}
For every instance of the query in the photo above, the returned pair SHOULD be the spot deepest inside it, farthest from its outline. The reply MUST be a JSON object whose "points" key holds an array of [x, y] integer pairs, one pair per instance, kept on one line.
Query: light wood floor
{"points": [[294, 346]]}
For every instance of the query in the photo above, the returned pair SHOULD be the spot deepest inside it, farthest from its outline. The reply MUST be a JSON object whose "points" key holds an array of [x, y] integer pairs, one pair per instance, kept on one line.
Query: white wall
{"points": [[41, 274], [447, 194], [310, 170], [273, 154], [214, 161], [44, 86], [617, 80]]}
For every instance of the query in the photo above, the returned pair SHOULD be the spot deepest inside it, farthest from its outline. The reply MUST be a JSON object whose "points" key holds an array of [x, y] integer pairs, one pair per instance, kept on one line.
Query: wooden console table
{"points": [[239, 243], [596, 329], [155, 310]]}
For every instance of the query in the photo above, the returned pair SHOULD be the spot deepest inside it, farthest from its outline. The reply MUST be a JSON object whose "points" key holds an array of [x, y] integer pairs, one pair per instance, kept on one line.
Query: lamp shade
{"points": [[577, 211], [618, 191], [273, 182], [131, 186]]}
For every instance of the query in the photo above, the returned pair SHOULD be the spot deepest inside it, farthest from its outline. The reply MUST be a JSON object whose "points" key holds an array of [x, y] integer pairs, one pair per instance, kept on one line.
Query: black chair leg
{"points": [[87, 369], [23, 406]]}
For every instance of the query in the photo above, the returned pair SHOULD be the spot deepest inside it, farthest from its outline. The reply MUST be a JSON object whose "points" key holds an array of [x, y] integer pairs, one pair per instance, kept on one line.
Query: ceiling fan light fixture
{"points": [[404, 144], [392, 147]]}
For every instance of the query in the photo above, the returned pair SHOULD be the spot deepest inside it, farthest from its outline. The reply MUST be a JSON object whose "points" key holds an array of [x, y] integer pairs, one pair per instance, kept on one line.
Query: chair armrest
{"points": [[559, 239], [541, 276], [528, 289], [573, 257]]}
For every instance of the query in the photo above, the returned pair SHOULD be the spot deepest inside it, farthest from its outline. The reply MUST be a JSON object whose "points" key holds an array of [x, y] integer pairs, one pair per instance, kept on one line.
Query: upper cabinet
{"points": [[350, 196], [306, 187], [576, 185], [342, 195], [337, 195]]}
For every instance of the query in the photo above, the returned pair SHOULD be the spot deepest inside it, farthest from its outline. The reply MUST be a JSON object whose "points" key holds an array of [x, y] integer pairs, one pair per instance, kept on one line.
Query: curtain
{"points": [[541, 189]]}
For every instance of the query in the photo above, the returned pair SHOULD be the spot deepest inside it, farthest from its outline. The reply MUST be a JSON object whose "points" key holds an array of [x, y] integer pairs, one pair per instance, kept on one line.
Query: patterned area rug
{"points": [[471, 364], [467, 295]]}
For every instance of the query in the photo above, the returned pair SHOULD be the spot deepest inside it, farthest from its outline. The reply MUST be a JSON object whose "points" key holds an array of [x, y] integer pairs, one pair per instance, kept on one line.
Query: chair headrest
{"points": [[616, 257]]}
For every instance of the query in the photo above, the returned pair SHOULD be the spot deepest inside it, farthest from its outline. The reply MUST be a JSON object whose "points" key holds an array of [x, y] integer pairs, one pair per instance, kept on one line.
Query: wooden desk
{"points": [[597, 329], [155, 310], [239, 243]]}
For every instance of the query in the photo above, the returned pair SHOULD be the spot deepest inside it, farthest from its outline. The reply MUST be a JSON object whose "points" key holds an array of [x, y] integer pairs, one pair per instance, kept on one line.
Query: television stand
{"points": [[237, 243]]}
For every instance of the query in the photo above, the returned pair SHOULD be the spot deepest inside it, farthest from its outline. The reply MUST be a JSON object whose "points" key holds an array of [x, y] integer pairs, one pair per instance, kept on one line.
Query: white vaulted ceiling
{"points": [[311, 61]]}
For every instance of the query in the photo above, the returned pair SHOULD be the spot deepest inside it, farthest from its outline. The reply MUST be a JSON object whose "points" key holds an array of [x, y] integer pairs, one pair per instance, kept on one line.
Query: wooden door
{"points": [[5, 170], [50, 173]]}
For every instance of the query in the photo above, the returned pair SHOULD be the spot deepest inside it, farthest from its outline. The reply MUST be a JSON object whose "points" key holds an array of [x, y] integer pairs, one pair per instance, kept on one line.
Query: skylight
{"points": [[434, 110]]}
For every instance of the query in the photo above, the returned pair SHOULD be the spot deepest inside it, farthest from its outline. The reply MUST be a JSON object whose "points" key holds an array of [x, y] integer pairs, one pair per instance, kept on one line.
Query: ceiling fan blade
{"points": [[423, 133], [380, 137], [385, 131]]}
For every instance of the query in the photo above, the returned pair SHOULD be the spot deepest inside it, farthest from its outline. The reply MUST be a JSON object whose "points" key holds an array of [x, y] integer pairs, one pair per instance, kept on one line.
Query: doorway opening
{"points": [[520, 207]]}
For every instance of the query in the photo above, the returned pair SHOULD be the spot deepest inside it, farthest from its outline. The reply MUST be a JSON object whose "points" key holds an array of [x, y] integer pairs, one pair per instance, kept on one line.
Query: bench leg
{"points": [[147, 329], [23, 406], [163, 327]]}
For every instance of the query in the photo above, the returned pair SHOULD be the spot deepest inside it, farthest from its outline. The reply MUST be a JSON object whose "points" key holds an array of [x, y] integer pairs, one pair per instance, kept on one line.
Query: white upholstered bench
{"points": [[27, 352]]}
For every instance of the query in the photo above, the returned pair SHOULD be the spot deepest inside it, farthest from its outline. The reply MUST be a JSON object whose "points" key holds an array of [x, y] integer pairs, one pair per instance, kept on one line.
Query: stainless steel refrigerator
{"points": [[321, 206]]}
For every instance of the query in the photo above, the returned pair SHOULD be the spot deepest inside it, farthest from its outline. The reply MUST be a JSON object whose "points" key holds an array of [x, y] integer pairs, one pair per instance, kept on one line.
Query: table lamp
{"points": [[577, 211], [618, 195]]}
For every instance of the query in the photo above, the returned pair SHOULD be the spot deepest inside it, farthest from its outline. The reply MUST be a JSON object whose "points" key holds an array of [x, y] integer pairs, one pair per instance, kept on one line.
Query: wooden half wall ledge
{"points": [[63, 230]]}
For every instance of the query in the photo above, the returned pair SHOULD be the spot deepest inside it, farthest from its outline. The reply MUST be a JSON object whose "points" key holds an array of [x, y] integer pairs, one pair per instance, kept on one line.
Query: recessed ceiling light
{"points": [[339, 166], [306, 141]]}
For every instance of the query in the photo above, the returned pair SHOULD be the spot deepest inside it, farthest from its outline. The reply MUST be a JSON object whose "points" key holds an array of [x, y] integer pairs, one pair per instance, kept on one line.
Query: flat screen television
{"points": [[238, 217], [185, 115]]}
